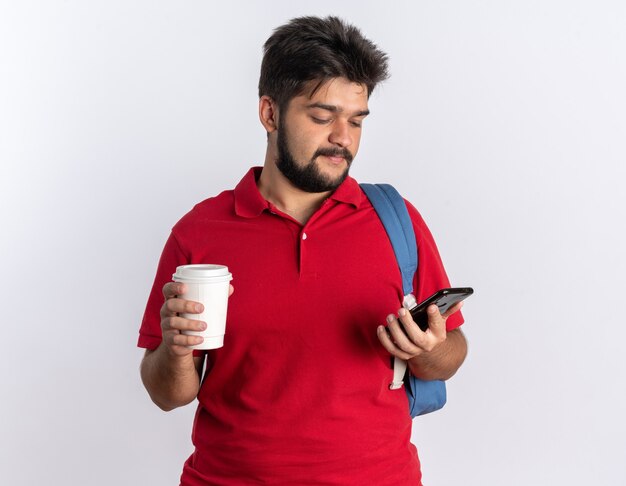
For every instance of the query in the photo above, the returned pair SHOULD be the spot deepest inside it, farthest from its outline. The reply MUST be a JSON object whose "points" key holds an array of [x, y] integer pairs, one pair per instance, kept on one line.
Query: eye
{"points": [[319, 121], [356, 124]]}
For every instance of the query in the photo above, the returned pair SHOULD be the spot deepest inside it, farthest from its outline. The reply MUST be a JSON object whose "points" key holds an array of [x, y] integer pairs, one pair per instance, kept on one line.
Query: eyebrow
{"points": [[336, 109]]}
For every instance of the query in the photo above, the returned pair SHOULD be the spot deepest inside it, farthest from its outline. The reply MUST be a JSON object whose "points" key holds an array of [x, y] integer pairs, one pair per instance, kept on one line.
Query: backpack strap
{"points": [[391, 210], [424, 396]]}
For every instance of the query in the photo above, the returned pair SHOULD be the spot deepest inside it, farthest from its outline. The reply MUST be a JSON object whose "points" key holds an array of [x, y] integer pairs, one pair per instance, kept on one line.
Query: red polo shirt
{"points": [[299, 393]]}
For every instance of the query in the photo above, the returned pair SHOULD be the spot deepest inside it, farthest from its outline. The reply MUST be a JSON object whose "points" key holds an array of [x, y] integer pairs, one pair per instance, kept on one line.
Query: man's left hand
{"points": [[414, 342]]}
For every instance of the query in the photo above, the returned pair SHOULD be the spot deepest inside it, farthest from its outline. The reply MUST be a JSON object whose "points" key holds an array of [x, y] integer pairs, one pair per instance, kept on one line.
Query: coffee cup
{"points": [[208, 285]]}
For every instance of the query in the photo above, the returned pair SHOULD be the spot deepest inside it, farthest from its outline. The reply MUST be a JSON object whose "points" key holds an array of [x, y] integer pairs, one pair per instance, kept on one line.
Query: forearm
{"points": [[171, 381], [443, 361]]}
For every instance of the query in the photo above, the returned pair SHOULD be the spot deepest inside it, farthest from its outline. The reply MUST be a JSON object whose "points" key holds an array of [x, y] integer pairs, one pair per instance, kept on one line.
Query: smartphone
{"points": [[444, 299]]}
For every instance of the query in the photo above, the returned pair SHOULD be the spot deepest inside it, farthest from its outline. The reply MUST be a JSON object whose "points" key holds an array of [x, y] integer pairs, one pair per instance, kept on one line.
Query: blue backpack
{"points": [[424, 396]]}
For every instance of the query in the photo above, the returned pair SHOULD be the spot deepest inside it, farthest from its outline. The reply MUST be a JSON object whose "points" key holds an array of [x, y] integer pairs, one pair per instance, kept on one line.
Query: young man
{"points": [[299, 393]]}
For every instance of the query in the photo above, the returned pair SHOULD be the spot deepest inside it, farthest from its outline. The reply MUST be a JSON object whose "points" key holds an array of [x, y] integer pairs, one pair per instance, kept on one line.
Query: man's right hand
{"points": [[170, 373], [172, 324]]}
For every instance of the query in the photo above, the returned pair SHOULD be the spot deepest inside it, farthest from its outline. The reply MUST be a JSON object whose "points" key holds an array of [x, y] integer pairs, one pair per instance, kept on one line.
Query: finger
{"points": [[436, 323], [231, 289], [411, 329], [179, 344], [436, 332], [388, 344], [455, 308], [422, 340], [399, 336], [174, 306], [178, 324], [172, 289], [186, 340]]}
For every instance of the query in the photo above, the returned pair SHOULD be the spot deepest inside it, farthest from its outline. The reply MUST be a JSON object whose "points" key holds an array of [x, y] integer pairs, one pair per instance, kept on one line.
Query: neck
{"points": [[278, 190]]}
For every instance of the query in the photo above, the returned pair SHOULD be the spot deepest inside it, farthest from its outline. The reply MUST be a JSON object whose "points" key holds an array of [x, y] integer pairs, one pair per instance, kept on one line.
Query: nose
{"points": [[340, 134]]}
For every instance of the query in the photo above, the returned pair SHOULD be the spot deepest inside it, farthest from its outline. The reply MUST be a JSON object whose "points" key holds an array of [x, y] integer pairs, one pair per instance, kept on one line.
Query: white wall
{"points": [[504, 122]]}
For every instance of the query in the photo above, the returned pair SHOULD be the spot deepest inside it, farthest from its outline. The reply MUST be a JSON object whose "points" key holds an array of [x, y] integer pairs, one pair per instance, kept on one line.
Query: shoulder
{"points": [[423, 235], [217, 208], [416, 217]]}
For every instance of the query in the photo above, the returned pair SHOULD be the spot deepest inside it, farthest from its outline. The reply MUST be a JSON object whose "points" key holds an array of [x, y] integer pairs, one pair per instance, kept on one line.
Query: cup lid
{"points": [[200, 271]]}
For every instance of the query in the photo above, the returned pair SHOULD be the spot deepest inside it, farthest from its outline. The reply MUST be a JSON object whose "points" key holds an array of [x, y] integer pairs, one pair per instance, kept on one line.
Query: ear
{"points": [[268, 114]]}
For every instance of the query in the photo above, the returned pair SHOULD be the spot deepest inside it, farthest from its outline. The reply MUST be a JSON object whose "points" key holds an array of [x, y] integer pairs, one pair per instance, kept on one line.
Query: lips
{"points": [[335, 159]]}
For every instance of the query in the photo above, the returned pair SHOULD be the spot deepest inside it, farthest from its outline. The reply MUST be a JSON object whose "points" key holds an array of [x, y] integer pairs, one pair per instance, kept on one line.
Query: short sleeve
{"points": [[431, 275], [150, 330]]}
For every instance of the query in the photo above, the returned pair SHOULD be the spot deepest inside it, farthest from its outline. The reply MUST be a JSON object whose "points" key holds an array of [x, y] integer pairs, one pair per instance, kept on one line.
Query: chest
{"points": [[341, 262]]}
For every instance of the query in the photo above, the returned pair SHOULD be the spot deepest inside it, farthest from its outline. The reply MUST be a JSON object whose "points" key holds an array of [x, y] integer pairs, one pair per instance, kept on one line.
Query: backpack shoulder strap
{"points": [[424, 396], [392, 211]]}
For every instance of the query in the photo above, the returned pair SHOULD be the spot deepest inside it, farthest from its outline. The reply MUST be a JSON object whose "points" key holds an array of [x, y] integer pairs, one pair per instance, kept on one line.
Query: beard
{"points": [[308, 177]]}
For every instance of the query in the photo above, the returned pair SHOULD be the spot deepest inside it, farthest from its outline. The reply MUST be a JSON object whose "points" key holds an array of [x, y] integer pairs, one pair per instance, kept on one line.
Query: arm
{"points": [[172, 381], [170, 373], [433, 354], [443, 361]]}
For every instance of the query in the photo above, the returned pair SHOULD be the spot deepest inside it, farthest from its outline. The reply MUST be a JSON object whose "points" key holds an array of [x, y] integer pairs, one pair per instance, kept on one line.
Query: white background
{"points": [[504, 122]]}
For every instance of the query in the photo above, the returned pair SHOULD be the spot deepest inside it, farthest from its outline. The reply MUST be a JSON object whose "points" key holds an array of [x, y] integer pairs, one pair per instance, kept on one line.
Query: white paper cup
{"points": [[207, 284]]}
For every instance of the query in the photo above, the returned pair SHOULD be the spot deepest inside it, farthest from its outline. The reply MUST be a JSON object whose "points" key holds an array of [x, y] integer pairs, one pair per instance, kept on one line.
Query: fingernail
{"points": [[380, 329], [202, 326], [389, 319], [402, 312], [199, 308]]}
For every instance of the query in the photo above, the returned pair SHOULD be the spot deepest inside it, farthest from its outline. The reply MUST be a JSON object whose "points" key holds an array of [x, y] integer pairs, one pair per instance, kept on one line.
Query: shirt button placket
{"points": [[303, 270]]}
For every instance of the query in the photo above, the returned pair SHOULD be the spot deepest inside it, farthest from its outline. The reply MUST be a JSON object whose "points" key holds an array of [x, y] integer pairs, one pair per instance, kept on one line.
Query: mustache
{"points": [[334, 152]]}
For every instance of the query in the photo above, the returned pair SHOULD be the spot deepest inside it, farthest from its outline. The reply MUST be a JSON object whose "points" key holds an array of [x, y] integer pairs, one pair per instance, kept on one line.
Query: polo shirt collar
{"points": [[348, 192], [248, 200], [249, 203]]}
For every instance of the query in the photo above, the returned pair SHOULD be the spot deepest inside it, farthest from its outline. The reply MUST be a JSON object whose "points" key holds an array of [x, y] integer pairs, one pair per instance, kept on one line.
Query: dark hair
{"points": [[312, 48]]}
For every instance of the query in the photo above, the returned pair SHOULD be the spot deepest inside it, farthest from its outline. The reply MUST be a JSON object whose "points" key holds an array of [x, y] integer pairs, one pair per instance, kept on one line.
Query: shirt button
{"points": [[304, 236]]}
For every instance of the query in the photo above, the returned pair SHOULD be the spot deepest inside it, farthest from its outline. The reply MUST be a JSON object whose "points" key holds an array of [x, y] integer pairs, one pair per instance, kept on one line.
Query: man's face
{"points": [[318, 136]]}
